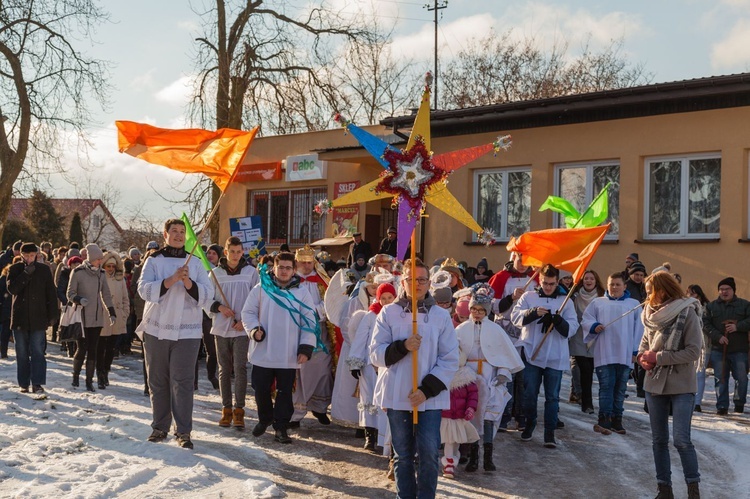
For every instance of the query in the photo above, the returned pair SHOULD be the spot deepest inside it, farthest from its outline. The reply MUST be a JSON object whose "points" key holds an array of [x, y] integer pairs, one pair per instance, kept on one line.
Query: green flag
{"points": [[191, 241], [562, 206], [597, 211]]}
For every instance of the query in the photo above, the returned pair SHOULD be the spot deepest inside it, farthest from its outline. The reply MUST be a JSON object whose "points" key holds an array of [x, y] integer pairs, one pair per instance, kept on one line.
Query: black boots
{"points": [[665, 492], [488, 464], [473, 464], [371, 439], [100, 380], [693, 491], [76, 378], [617, 425]]}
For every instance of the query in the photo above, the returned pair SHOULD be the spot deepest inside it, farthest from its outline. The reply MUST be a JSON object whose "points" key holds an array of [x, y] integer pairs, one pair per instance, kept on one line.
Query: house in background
{"points": [[97, 222]]}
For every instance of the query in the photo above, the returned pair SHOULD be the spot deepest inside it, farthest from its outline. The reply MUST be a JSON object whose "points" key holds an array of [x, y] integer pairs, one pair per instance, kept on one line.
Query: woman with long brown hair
{"points": [[670, 351]]}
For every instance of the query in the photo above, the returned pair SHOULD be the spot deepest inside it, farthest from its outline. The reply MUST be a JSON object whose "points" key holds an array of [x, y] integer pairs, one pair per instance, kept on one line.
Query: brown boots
{"points": [[232, 417]]}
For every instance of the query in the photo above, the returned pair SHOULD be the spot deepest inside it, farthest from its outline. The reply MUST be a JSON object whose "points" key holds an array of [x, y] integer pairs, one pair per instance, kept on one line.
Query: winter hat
{"points": [[73, 252], [728, 281], [637, 266], [443, 295], [634, 257], [217, 249], [29, 248], [133, 252], [74, 259], [462, 308], [152, 245], [482, 295], [386, 287], [392, 230], [483, 263], [93, 252], [661, 268]]}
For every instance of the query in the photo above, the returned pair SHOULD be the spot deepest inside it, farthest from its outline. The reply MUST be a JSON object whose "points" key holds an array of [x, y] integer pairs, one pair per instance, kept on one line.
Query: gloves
{"points": [[356, 373], [83, 301], [29, 269], [469, 414], [546, 322], [556, 319]]}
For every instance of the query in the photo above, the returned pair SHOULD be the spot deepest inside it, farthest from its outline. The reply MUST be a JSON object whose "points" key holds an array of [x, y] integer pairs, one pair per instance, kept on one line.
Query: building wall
{"points": [[628, 141]]}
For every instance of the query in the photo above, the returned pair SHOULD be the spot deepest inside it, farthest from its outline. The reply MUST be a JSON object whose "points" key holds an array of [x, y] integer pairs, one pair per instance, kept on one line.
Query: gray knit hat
{"points": [[93, 252]]}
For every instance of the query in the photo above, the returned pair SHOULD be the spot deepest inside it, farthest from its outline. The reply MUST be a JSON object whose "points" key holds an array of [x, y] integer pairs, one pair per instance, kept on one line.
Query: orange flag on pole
{"points": [[215, 154], [567, 249]]}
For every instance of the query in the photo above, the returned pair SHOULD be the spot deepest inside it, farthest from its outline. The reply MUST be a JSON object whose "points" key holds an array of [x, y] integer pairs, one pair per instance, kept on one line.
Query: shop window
{"points": [[502, 201], [580, 183], [683, 197], [288, 215]]}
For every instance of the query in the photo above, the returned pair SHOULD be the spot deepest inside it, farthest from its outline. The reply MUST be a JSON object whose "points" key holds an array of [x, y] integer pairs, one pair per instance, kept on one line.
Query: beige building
{"points": [[676, 154]]}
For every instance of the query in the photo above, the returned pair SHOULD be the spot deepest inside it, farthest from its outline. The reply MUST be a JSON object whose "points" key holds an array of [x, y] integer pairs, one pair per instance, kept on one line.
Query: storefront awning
{"points": [[332, 241]]}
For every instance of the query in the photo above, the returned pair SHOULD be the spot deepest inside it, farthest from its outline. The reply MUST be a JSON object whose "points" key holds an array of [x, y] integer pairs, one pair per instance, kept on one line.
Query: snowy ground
{"points": [[77, 444]]}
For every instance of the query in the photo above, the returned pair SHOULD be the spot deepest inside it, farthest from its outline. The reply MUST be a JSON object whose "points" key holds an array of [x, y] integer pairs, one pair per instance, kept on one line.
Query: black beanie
{"points": [[728, 281], [635, 267], [217, 249], [483, 263]]}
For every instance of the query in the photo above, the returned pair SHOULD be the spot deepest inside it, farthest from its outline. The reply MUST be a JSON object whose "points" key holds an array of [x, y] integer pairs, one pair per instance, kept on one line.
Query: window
{"points": [[503, 201], [683, 197], [288, 215], [96, 221], [581, 183]]}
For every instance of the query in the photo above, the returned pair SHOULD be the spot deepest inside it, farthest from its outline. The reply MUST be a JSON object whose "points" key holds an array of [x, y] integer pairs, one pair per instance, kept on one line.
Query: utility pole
{"points": [[436, 8]]}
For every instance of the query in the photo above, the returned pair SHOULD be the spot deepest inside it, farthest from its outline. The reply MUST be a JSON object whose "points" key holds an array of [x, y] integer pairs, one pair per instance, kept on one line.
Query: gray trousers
{"points": [[232, 353], [170, 366]]}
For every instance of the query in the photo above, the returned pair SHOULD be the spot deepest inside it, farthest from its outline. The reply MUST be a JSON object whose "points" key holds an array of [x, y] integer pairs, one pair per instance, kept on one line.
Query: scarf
{"points": [[668, 322], [583, 299]]}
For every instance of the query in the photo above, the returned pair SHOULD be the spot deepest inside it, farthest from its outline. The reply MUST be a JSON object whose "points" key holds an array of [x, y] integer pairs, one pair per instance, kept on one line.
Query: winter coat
{"points": [[464, 394], [120, 296], [87, 282], [34, 301], [6, 300], [718, 311], [61, 284]]}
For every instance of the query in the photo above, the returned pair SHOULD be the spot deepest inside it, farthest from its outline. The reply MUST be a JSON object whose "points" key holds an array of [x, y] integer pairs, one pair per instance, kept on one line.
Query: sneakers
{"points": [[40, 389], [226, 417], [322, 418], [259, 429], [528, 431], [448, 467], [157, 436], [588, 410], [238, 417], [183, 440], [549, 440], [282, 437]]}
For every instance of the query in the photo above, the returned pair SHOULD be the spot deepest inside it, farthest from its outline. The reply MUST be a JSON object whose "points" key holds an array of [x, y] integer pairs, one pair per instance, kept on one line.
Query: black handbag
{"points": [[71, 327]]}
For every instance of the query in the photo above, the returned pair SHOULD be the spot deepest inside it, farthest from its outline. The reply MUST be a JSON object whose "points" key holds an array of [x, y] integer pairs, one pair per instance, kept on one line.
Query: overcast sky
{"points": [[151, 46]]}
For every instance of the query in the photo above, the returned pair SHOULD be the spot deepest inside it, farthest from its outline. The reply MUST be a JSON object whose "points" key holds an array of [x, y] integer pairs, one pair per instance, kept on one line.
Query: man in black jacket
{"points": [[359, 247], [34, 308], [389, 244]]}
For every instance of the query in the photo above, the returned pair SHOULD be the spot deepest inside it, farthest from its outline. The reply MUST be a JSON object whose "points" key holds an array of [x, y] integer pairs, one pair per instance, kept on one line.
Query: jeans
{"points": [[613, 381], [532, 379], [409, 440], [682, 414], [700, 378], [736, 365], [32, 364]]}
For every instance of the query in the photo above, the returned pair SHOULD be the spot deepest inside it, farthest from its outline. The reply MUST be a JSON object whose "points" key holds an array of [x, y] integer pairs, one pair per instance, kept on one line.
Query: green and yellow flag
{"points": [[595, 214], [191, 240]]}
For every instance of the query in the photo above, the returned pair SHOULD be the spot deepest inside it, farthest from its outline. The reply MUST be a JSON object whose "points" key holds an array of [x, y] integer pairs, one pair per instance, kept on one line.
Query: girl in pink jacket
{"points": [[455, 426]]}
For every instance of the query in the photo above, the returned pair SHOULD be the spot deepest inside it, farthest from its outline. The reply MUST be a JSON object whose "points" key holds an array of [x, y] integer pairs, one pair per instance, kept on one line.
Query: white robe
{"points": [[619, 341], [343, 405], [236, 289]]}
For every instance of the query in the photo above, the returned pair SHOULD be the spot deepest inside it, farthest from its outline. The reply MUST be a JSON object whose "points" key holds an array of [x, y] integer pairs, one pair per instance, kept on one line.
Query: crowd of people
{"points": [[313, 335]]}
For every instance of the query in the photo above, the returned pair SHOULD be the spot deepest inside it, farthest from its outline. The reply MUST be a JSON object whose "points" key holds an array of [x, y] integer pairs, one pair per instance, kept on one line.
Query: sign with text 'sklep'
{"points": [[305, 167]]}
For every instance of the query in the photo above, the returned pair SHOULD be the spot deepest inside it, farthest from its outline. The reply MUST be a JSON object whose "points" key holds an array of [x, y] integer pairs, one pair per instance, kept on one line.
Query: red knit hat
{"points": [[386, 287]]}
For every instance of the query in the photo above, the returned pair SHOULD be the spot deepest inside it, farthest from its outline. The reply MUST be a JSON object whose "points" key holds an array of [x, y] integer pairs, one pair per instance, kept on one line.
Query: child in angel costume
{"points": [[491, 354], [455, 426]]}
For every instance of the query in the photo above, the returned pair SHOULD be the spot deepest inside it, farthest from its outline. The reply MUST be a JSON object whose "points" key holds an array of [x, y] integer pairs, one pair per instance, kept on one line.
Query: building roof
{"points": [[64, 207], [700, 94]]}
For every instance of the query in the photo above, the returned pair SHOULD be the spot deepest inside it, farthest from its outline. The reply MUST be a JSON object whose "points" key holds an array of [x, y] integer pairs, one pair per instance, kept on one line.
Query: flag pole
{"points": [[549, 329], [414, 323]]}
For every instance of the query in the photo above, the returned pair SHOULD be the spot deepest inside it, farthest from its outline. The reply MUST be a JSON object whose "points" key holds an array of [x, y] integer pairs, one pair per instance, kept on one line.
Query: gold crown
{"points": [[306, 254], [451, 265], [370, 277]]}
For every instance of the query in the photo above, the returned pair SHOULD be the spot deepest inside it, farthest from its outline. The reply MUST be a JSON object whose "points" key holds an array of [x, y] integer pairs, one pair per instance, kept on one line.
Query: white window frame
{"points": [[590, 194], [503, 235], [684, 181]]}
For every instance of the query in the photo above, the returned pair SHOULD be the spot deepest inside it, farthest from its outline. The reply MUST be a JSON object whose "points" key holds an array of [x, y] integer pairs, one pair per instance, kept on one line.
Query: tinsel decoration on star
{"points": [[323, 207]]}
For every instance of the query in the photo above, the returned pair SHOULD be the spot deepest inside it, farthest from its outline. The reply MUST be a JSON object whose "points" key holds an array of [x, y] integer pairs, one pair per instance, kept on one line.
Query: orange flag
{"points": [[215, 154], [567, 249]]}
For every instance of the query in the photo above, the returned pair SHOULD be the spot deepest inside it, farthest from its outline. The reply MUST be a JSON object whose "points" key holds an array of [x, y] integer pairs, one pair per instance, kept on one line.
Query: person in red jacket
{"points": [[455, 426]]}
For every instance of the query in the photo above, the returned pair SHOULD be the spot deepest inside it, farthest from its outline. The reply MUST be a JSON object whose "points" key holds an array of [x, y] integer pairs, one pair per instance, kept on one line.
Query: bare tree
{"points": [[46, 84], [253, 49], [497, 69]]}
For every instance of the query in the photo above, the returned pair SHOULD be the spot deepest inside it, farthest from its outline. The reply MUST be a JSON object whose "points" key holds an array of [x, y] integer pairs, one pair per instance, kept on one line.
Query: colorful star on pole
{"points": [[414, 177]]}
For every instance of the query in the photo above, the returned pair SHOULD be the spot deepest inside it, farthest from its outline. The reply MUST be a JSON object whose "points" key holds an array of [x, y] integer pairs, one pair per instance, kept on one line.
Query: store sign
{"points": [[259, 172], [345, 218], [307, 167]]}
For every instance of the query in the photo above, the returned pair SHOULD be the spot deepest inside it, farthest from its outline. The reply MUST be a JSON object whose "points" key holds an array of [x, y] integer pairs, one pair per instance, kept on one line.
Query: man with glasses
{"points": [[726, 321], [279, 317], [392, 351], [538, 314]]}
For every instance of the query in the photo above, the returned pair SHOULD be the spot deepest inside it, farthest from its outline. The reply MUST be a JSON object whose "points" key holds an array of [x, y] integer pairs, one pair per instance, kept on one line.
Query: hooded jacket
{"points": [[90, 283]]}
